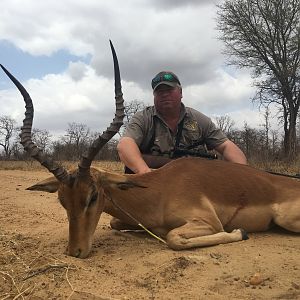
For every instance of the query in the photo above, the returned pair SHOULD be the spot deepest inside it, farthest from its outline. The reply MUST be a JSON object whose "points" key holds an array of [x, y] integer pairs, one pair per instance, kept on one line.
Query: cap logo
{"points": [[167, 77]]}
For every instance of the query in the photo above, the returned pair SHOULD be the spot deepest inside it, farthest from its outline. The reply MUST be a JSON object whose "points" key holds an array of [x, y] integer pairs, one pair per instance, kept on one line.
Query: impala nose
{"points": [[77, 253]]}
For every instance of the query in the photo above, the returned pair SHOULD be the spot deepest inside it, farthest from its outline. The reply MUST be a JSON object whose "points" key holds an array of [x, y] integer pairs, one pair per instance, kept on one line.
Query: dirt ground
{"points": [[33, 263]]}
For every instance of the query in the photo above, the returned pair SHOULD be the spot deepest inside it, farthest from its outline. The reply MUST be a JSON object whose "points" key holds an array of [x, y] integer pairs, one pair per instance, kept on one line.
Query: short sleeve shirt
{"points": [[152, 134]]}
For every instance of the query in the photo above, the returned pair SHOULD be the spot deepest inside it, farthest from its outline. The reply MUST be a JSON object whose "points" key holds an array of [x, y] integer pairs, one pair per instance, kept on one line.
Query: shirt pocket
{"points": [[191, 134]]}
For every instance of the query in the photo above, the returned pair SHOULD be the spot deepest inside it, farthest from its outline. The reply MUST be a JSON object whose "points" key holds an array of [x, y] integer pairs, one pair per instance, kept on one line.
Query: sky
{"points": [[60, 52]]}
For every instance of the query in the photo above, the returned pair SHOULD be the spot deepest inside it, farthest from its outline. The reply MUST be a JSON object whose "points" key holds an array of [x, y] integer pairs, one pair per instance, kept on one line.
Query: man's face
{"points": [[167, 98]]}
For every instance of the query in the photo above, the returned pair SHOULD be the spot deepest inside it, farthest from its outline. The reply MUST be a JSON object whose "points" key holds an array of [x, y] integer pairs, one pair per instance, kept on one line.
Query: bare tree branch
{"points": [[264, 36]]}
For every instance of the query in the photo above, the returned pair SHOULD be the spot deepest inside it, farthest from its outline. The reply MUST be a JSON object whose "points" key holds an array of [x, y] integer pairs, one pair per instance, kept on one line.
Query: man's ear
{"points": [[49, 185]]}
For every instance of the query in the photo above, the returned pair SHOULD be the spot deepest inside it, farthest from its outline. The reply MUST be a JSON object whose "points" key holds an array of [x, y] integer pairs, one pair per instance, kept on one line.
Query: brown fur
{"points": [[192, 202]]}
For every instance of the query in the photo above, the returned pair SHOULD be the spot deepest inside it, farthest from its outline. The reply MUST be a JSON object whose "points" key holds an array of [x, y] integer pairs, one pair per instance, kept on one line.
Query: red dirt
{"points": [[33, 263]]}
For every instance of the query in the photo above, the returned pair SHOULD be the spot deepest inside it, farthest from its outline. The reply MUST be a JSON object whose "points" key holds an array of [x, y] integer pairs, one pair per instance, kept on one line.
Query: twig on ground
{"points": [[19, 258], [13, 281], [6, 297], [36, 258], [44, 269], [31, 291], [71, 286], [21, 293]]}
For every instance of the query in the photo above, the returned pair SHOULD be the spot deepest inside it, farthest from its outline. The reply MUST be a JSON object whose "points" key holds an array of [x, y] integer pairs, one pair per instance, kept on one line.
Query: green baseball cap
{"points": [[165, 77]]}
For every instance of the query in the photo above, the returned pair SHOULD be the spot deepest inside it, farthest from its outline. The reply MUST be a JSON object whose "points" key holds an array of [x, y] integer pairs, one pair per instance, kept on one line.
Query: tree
{"points": [[275, 144], [264, 35], [42, 138], [266, 126], [225, 123], [7, 129], [298, 132], [75, 141], [131, 108]]}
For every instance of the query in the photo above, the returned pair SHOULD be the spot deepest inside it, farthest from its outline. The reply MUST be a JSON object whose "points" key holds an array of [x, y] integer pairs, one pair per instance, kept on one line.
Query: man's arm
{"points": [[231, 152], [131, 156]]}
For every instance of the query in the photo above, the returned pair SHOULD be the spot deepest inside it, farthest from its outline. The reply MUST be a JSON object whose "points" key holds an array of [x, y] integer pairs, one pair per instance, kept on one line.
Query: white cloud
{"points": [[251, 117], [221, 95], [59, 100], [146, 37], [149, 36], [77, 70]]}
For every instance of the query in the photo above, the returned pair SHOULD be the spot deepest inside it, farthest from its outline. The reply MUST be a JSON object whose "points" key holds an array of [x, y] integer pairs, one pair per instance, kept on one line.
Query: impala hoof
{"points": [[244, 234]]}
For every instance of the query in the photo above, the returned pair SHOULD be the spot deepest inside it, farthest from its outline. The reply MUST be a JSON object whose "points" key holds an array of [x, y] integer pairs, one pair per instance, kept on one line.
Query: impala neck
{"points": [[133, 202]]}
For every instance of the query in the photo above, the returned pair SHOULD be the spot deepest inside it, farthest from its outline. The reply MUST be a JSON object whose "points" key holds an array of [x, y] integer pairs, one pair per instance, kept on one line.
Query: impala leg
{"points": [[287, 215], [191, 236], [117, 224], [206, 230]]}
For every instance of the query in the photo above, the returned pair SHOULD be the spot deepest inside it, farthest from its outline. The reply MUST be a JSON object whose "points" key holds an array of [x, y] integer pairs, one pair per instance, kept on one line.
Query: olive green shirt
{"points": [[153, 136]]}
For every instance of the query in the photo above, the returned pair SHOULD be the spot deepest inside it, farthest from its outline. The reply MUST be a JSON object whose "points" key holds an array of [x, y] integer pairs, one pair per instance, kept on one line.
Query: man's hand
{"points": [[131, 156]]}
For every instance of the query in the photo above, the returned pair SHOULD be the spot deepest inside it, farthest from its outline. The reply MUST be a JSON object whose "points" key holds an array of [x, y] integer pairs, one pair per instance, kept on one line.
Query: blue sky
{"points": [[26, 66], [60, 52]]}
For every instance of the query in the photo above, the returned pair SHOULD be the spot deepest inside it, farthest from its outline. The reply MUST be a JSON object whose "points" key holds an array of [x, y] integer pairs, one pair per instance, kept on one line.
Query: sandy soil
{"points": [[33, 263]]}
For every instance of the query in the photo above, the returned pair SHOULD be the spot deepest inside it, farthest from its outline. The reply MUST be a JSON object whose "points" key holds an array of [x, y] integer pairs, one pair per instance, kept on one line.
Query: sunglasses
{"points": [[165, 77]]}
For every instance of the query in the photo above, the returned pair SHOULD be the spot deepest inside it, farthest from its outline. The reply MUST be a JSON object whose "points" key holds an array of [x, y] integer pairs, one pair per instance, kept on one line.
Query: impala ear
{"points": [[49, 185], [118, 181]]}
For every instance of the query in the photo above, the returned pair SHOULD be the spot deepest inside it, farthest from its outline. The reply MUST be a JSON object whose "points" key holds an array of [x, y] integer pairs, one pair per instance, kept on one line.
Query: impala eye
{"points": [[62, 201], [93, 199]]}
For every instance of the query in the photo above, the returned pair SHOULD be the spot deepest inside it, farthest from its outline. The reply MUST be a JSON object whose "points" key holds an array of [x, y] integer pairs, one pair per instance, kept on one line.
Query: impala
{"points": [[191, 202]]}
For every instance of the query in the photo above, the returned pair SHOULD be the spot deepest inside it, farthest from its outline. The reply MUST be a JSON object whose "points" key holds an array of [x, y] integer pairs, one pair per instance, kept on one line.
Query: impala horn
{"points": [[101, 141], [26, 140], [26, 135]]}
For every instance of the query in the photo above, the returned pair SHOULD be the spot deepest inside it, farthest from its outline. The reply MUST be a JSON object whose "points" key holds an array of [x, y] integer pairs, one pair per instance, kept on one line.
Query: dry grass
{"points": [[277, 166], [34, 165], [290, 168]]}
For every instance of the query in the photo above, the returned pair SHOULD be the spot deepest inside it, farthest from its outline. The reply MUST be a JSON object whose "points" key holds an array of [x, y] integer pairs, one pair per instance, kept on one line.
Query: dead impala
{"points": [[192, 202]]}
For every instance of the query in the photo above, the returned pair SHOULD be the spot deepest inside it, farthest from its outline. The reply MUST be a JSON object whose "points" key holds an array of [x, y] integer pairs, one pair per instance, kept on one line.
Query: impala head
{"points": [[79, 190]]}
